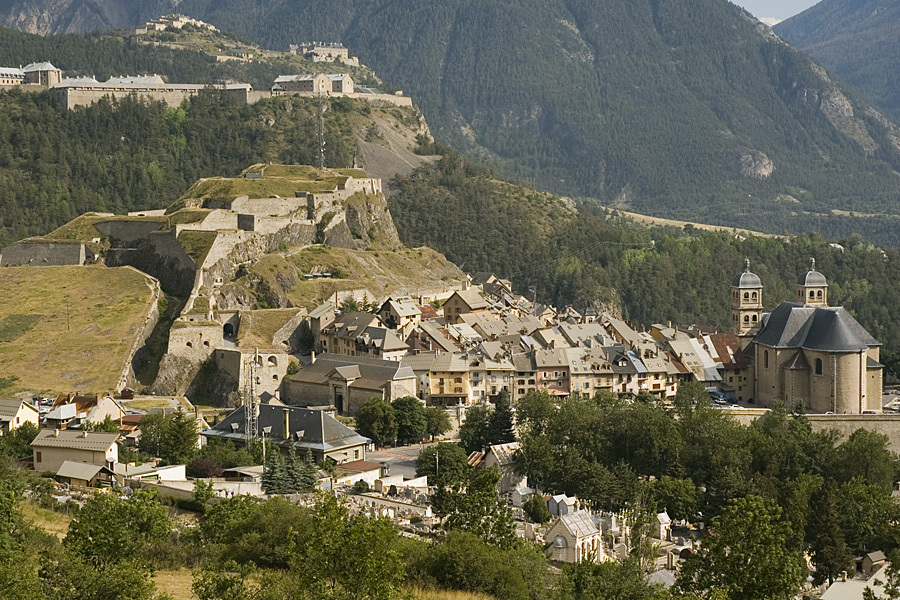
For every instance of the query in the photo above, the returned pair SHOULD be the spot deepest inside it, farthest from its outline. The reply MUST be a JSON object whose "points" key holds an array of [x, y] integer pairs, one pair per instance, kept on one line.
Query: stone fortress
{"points": [[201, 241], [70, 92], [325, 52]]}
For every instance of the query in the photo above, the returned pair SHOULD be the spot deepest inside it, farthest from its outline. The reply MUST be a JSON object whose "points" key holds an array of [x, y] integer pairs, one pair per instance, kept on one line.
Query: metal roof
{"points": [[580, 524], [79, 470]]}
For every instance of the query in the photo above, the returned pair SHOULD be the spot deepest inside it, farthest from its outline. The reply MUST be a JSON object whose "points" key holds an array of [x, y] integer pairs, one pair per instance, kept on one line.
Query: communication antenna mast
{"points": [[322, 134], [251, 399]]}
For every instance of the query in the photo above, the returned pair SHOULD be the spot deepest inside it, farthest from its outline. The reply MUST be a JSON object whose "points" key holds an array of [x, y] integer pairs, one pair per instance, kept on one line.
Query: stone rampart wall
{"points": [[129, 233], [45, 254], [127, 378]]}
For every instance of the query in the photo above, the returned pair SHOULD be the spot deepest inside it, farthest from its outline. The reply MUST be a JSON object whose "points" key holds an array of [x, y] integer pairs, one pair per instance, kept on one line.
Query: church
{"points": [[805, 352]]}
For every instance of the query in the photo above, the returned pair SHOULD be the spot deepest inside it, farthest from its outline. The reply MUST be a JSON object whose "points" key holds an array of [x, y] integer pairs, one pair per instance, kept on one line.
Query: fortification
{"points": [[45, 253]]}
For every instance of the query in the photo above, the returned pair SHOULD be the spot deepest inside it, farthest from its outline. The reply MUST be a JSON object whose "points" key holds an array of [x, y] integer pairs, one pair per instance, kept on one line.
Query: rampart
{"points": [[886, 424], [45, 253], [161, 256], [127, 232], [70, 96], [127, 378]]}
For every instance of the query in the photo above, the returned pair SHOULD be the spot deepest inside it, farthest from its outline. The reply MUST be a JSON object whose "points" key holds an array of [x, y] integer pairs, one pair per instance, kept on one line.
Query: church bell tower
{"points": [[746, 303]]}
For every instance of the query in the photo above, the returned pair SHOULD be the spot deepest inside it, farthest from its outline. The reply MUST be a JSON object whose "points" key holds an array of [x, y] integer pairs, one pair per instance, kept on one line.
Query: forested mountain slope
{"points": [[859, 40], [585, 256], [691, 110], [117, 157]]}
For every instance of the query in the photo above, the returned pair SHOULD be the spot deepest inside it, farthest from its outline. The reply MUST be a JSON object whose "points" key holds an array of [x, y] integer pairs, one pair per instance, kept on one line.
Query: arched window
{"points": [[190, 345], [754, 318], [755, 296], [746, 295], [818, 366], [819, 294], [273, 362], [766, 359], [746, 318], [812, 294]]}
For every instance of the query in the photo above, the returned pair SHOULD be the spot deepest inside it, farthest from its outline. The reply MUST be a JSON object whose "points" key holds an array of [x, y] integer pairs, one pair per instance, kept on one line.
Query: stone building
{"points": [[574, 538], [813, 355]]}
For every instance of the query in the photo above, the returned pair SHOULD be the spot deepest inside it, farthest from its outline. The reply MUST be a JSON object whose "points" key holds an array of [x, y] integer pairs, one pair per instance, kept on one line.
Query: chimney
{"points": [[286, 412]]}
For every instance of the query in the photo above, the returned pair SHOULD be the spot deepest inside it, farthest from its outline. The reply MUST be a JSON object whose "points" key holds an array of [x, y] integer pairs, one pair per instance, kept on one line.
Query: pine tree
{"points": [[502, 431], [306, 474]]}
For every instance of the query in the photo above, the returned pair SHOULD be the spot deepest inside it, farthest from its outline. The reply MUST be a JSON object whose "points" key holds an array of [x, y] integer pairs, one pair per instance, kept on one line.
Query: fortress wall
{"points": [[268, 207], [215, 220], [45, 253], [194, 341], [129, 233], [370, 185], [127, 378], [72, 97], [161, 256], [885, 424]]}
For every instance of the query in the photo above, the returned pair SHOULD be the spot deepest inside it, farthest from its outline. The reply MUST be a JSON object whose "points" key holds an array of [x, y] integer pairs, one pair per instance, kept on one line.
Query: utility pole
{"points": [[250, 400], [322, 134]]}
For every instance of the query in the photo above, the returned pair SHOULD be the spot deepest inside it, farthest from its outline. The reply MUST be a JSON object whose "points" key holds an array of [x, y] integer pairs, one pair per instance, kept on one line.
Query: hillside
{"points": [[647, 274], [858, 40], [57, 165], [692, 111], [63, 330]]}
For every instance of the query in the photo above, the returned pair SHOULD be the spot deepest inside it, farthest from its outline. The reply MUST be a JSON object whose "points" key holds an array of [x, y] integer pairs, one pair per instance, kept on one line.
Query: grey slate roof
{"points": [[72, 438], [746, 279], [320, 431], [830, 329], [367, 373]]}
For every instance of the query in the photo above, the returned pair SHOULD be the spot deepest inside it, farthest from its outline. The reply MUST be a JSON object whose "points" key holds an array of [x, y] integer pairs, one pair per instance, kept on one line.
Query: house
{"points": [[150, 472], [358, 470], [873, 561], [362, 334], [502, 457], [574, 538], [855, 589], [462, 302], [302, 429], [53, 447], [72, 410], [401, 314], [348, 382], [14, 413], [84, 475]]}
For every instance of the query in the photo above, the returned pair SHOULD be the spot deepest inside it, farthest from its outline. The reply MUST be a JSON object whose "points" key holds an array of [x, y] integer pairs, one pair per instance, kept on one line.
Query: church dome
{"points": [[746, 279], [812, 278]]}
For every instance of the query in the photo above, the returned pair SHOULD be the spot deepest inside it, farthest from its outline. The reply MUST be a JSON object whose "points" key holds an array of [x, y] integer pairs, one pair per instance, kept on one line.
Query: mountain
{"points": [[692, 110], [859, 40]]}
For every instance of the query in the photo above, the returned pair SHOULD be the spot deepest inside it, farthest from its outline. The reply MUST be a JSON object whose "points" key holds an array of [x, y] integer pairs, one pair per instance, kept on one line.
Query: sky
{"points": [[772, 11]]}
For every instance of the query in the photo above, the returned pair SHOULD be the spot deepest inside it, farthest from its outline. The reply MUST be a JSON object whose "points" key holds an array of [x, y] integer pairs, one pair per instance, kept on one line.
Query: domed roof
{"points": [[746, 279], [812, 278]]}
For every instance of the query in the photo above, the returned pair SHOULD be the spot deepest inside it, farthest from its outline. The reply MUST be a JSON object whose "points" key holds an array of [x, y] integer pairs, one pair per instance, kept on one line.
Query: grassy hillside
{"points": [[857, 40], [277, 279], [68, 328]]}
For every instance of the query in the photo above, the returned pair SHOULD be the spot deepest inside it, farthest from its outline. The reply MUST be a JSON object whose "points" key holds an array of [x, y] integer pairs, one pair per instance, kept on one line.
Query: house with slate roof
{"points": [[53, 447], [303, 429], [348, 382], [815, 355], [15, 413]]}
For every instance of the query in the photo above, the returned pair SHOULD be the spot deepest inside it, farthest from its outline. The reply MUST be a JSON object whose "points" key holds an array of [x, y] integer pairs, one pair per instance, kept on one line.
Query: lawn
{"points": [[66, 329]]}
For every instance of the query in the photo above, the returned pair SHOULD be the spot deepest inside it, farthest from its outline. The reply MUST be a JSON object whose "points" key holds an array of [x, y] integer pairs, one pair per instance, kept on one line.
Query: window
{"points": [[812, 294], [766, 359], [273, 362], [37, 456], [746, 295], [819, 294], [356, 455], [190, 345], [755, 296], [746, 318], [521, 392], [458, 390], [755, 317], [818, 366], [459, 380]]}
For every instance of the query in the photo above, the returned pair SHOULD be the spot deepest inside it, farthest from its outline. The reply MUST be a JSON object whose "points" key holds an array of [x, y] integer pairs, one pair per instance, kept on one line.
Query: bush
{"points": [[203, 468], [536, 509], [360, 487]]}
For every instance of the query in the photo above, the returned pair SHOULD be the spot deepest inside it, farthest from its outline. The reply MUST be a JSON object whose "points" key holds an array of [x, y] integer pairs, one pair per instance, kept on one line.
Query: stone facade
{"points": [[45, 253]]}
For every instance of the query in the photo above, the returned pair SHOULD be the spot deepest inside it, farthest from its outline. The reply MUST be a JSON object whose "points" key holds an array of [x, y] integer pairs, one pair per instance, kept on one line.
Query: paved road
{"points": [[400, 461]]}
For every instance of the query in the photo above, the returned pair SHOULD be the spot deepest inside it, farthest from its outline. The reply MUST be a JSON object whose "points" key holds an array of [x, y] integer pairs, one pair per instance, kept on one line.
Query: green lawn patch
{"points": [[14, 326]]}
